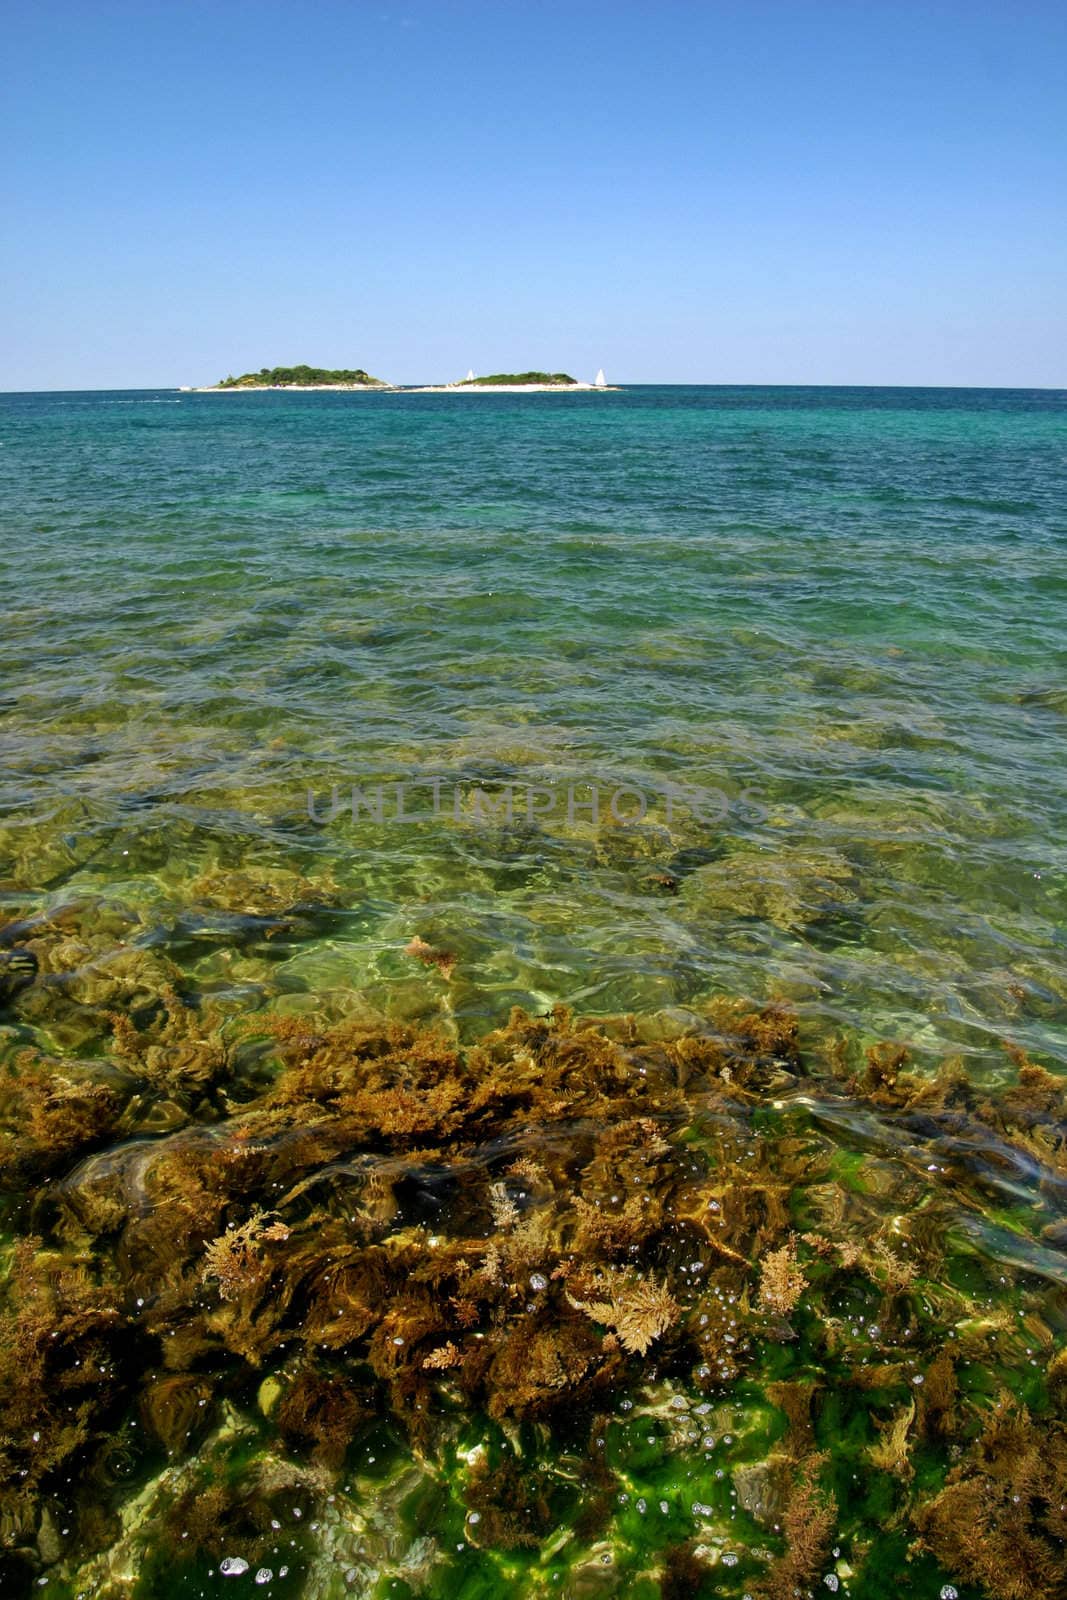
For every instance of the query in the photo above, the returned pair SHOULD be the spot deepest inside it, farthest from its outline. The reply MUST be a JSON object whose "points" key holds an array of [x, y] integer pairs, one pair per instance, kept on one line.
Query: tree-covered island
{"points": [[509, 378], [302, 377]]}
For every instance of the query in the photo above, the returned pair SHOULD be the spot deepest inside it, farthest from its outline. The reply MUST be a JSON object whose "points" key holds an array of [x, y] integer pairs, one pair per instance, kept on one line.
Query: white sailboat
{"points": [[600, 380], [470, 376]]}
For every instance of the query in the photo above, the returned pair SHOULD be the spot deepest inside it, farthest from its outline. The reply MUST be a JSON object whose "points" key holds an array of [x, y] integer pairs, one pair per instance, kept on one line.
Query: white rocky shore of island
{"points": [[396, 388], [511, 388]]}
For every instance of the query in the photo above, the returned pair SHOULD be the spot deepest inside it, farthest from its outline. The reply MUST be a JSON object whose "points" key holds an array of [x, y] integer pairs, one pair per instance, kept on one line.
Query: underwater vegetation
{"points": [[647, 1305]]}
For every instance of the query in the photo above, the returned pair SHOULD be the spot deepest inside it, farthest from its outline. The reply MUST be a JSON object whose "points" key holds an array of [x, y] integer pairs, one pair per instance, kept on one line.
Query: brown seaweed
{"points": [[1001, 1519], [389, 1225]]}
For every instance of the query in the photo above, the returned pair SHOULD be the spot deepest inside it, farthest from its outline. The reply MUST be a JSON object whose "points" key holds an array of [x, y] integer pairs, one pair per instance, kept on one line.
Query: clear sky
{"points": [[705, 191]]}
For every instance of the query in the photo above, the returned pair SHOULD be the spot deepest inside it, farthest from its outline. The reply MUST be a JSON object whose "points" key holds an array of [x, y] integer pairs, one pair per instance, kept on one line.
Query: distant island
{"points": [[518, 380], [518, 383], [304, 377]]}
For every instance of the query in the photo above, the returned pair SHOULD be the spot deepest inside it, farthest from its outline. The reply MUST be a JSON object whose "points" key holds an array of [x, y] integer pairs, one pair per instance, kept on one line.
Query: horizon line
{"points": [[172, 388]]}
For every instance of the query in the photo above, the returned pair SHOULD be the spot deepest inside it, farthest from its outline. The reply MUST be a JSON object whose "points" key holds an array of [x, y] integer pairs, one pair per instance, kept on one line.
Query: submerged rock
{"points": [[763, 1489], [791, 889], [18, 969]]}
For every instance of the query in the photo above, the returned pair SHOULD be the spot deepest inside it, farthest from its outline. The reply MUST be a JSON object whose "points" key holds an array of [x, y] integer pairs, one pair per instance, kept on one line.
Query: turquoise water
{"points": [[830, 622], [667, 706]]}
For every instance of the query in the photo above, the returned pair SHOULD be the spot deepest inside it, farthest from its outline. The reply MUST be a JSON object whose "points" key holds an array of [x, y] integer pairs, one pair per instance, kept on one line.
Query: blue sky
{"points": [[688, 191]]}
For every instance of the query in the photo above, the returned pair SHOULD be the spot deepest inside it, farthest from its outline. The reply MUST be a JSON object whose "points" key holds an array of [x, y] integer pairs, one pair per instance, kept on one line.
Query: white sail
{"points": [[470, 376], [601, 381]]}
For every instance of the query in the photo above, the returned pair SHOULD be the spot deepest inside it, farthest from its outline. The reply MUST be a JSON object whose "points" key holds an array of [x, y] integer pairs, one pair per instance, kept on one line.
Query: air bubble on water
{"points": [[233, 1566], [538, 1281], [264, 1575]]}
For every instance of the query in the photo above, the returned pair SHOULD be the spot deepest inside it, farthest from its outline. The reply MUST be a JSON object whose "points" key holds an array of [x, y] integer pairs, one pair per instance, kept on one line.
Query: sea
{"points": [[503, 720]]}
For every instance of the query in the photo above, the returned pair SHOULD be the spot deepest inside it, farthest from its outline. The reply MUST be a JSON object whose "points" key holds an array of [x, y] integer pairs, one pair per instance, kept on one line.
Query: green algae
{"points": [[676, 1304]]}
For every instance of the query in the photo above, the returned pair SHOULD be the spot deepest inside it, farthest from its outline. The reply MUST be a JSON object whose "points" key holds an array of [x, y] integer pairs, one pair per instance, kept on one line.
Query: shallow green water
{"points": [[644, 698], [847, 606]]}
